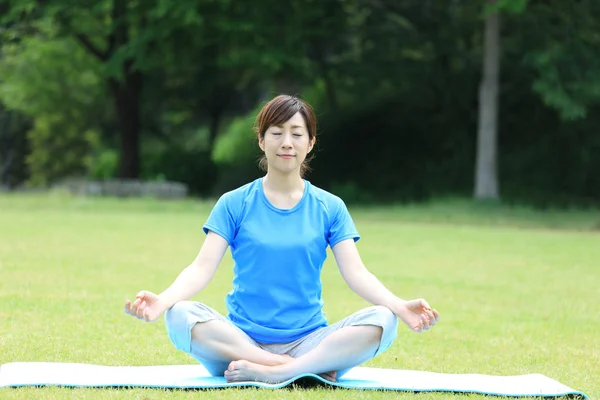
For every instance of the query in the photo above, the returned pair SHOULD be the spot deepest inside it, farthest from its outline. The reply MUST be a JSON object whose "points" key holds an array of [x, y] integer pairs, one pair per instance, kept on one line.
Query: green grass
{"points": [[518, 289]]}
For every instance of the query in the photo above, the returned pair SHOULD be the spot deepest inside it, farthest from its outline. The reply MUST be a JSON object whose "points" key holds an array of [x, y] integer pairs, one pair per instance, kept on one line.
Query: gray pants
{"points": [[181, 318]]}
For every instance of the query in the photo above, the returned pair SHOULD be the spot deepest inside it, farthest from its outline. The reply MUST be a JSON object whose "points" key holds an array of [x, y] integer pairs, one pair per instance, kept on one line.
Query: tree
{"points": [[55, 85], [486, 173], [196, 59], [120, 34], [486, 164], [13, 148], [565, 55]]}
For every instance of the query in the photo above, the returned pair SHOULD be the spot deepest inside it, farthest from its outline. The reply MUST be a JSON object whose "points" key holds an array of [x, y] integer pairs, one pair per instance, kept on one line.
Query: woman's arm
{"points": [[417, 314]]}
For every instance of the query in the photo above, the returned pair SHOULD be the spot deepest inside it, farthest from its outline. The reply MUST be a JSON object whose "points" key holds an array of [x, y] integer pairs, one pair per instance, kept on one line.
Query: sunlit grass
{"points": [[518, 289]]}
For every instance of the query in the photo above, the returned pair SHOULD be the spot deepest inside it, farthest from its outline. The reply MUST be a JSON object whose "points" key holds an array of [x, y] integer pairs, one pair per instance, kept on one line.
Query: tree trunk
{"points": [[215, 121], [486, 174], [14, 147], [126, 98], [6, 148]]}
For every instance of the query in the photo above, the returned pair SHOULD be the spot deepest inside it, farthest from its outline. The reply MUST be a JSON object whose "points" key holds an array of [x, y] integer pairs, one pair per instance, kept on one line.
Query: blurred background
{"points": [[416, 99]]}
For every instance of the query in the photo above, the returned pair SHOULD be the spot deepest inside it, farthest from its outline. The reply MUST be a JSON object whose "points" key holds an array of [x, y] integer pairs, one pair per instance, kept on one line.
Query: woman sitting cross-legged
{"points": [[278, 228]]}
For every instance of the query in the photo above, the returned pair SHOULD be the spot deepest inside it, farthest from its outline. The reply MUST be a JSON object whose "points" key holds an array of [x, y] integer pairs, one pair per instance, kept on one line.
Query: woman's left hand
{"points": [[418, 315]]}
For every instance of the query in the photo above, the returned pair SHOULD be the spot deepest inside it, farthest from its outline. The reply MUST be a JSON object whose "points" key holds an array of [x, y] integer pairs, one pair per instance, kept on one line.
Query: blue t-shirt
{"points": [[278, 255]]}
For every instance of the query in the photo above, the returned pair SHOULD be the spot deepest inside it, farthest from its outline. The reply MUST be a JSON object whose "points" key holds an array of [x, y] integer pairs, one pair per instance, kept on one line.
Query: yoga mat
{"points": [[196, 377]]}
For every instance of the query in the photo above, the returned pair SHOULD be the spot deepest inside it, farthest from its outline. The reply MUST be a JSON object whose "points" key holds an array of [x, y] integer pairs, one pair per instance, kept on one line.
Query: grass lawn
{"points": [[518, 290]]}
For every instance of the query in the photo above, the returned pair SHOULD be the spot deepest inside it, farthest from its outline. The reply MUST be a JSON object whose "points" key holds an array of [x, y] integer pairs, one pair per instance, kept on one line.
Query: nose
{"points": [[287, 141]]}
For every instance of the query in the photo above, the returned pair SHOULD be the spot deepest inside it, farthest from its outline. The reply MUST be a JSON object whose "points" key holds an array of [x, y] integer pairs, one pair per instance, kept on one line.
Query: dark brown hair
{"points": [[279, 110]]}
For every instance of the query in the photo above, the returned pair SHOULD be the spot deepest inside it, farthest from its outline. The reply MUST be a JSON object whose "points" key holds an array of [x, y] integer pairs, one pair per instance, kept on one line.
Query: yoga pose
{"points": [[278, 228]]}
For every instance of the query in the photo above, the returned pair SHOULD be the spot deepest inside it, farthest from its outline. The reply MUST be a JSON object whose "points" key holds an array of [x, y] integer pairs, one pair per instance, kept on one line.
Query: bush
{"points": [[193, 167], [59, 148], [104, 164]]}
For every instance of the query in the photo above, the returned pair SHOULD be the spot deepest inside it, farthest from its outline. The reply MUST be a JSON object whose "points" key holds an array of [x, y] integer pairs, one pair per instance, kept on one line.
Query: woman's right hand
{"points": [[147, 306]]}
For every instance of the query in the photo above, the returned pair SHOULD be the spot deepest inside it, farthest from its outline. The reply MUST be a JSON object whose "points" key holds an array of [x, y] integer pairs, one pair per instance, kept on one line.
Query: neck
{"points": [[283, 183]]}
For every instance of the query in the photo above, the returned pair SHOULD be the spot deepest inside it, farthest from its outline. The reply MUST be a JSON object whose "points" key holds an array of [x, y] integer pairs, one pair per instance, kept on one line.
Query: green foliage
{"points": [[351, 193], [562, 49], [394, 84], [14, 148], [237, 144], [178, 162], [56, 156], [562, 83], [46, 75], [121, 36], [403, 158], [509, 6], [56, 83], [104, 163], [189, 165]]}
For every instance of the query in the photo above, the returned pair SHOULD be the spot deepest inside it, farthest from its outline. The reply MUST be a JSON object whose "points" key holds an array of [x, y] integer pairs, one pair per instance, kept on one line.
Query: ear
{"points": [[261, 142], [311, 144]]}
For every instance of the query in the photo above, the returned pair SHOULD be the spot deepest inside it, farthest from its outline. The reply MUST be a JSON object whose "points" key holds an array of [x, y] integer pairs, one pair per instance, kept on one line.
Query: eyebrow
{"points": [[293, 126]]}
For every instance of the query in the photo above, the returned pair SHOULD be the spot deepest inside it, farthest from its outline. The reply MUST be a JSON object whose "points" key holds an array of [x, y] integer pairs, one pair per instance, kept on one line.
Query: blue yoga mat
{"points": [[196, 377]]}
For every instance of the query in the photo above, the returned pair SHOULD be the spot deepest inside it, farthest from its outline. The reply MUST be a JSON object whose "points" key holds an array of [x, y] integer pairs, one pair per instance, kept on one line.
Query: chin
{"points": [[287, 170]]}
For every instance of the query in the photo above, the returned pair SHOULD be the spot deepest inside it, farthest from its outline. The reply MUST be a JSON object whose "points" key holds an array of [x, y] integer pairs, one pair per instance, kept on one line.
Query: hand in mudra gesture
{"points": [[147, 306], [418, 315]]}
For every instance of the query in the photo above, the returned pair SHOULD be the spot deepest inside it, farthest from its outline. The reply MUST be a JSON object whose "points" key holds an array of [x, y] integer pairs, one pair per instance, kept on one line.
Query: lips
{"points": [[286, 155]]}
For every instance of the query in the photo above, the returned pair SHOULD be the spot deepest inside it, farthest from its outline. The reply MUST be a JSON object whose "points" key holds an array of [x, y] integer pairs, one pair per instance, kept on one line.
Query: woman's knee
{"points": [[389, 327], [386, 316], [178, 325], [177, 314]]}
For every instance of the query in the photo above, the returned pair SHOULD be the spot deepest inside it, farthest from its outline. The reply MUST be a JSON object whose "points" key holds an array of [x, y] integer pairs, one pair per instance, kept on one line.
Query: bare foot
{"points": [[286, 358], [329, 376], [245, 371]]}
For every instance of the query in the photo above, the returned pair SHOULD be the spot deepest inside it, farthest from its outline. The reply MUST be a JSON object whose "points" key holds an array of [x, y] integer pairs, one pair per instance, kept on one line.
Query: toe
{"points": [[231, 366], [230, 376]]}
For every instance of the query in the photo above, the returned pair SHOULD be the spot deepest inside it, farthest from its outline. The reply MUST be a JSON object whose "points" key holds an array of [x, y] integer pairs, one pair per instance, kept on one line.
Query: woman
{"points": [[278, 228]]}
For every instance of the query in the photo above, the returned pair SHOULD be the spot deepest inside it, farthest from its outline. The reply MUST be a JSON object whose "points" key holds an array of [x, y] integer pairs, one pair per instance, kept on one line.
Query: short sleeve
{"points": [[222, 219], [342, 226]]}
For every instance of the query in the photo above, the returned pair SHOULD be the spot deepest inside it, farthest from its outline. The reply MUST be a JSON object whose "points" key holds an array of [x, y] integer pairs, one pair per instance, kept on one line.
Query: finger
{"points": [[425, 305], [129, 308], [134, 307], [136, 303], [140, 311], [141, 295], [418, 326], [431, 317], [425, 320]]}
